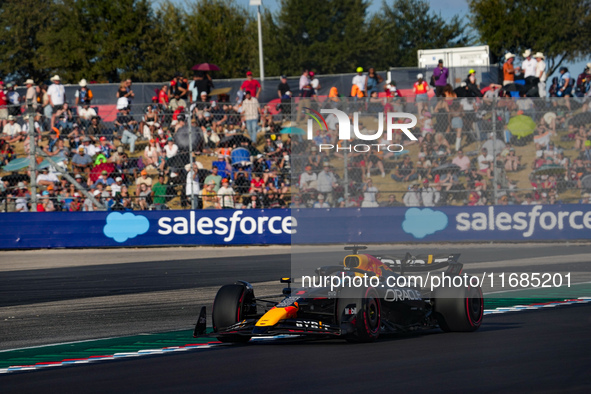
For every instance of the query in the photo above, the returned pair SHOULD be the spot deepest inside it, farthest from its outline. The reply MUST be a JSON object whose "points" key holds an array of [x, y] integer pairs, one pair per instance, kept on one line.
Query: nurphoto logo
{"points": [[345, 129]]}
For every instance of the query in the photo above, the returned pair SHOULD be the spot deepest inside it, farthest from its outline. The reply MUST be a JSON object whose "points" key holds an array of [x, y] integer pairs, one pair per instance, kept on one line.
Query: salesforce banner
{"points": [[145, 228], [297, 226], [442, 224]]}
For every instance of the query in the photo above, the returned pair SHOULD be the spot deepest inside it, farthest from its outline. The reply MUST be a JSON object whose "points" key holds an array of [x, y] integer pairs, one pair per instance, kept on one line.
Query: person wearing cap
{"points": [[321, 202], [116, 186], [56, 94], [308, 180], [283, 86], [12, 129], [529, 64], [226, 195], [359, 84], [90, 149], [104, 178], [83, 95], [583, 84], [314, 83], [144, 178], [22, 196], [81, 160], [13, 98], [45, 178], [508, 69], [440, 74], [31, 93], [105, 147], [541, 73], [209, 196], [472, 86], [421, 89], [251, 85]]}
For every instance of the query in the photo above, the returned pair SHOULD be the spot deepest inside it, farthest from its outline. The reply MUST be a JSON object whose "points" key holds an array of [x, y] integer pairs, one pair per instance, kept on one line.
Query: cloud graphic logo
{"points": [[122, 227], [423, 222]]}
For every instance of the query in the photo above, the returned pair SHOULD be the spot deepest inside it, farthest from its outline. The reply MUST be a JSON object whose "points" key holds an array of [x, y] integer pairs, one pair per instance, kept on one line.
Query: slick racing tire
{"points": [[228, 309], [459, 309], [366, 320]]}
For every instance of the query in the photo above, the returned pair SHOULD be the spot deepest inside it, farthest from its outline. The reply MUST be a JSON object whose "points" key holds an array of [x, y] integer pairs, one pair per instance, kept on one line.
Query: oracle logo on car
{"points": [[226, 226], [345, 128]]}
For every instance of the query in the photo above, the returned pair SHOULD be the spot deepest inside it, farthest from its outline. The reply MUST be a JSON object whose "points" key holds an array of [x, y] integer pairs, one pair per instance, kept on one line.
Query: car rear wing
{"points": [[423, 263]]}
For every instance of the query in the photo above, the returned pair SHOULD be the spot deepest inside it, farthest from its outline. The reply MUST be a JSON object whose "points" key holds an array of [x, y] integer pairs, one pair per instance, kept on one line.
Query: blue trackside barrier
{"points": [[298, 226], [147, 228]]}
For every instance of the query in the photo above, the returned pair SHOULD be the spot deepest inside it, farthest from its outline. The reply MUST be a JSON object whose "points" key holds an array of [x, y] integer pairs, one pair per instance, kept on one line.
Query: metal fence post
{"points": [[32, 160], [191, 170], [494, 118]]}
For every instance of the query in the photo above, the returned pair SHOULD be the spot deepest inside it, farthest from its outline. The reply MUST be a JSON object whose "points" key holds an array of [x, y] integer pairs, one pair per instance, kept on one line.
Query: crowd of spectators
{"points": [[142, 159]]}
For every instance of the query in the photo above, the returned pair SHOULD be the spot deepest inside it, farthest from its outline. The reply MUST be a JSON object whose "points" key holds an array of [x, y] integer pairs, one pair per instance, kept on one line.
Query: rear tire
{"points": [[459, 309], [367, 319], [228, 309]]}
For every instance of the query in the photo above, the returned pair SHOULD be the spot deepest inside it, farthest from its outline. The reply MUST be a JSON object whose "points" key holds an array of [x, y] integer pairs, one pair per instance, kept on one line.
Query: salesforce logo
{"points": [[123, 226], [527, 222], [423, 222], [226, 226]]}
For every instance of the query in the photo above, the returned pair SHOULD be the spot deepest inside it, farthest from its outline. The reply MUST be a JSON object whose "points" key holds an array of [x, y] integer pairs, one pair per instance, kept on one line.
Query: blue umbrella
{"points": [[293, 130], [23, 162], [17, 164]]}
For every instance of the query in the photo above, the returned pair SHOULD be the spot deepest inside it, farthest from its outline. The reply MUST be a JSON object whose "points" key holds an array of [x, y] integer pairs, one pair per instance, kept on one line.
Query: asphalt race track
{"points": [[541, 350], [546, 351]]}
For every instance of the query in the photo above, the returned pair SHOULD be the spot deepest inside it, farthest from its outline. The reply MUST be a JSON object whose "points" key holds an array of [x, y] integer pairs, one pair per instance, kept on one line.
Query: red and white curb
{"points": [[542, 305], [118, 356]]}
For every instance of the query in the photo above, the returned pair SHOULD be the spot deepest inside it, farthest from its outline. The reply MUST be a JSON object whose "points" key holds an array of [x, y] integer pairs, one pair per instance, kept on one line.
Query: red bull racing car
{"points": [[390, 300]]}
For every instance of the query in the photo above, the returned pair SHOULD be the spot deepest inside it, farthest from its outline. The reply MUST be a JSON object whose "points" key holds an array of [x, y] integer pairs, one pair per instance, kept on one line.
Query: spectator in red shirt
{"points": [[251, 85], [3, 103], [163, 96]]}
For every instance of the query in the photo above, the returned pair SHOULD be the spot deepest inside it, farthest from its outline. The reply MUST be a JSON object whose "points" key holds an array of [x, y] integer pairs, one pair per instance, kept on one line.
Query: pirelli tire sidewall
{"points": [[228, 309], [459, 309], [364, 325]]}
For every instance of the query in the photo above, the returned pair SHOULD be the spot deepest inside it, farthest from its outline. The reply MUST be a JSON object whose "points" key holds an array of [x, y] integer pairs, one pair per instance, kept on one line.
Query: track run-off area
{"points": [[86, 308]]}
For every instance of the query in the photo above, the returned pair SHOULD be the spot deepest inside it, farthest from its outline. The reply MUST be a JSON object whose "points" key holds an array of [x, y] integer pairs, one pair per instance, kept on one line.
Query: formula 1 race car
{"points": [[355, 313]]}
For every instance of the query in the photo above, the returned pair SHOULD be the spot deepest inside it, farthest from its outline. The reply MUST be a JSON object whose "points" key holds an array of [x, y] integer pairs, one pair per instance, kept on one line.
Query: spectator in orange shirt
{"points": [[508, 69]]}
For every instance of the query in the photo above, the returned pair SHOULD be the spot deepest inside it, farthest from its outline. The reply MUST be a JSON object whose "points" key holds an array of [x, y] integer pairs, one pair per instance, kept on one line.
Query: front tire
{"points": [[228, 309], [459, 309], [366, 321]]}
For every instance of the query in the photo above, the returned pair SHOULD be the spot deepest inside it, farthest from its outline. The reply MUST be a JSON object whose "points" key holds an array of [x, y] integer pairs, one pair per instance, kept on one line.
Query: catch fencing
{"points": [[539, 149]]}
